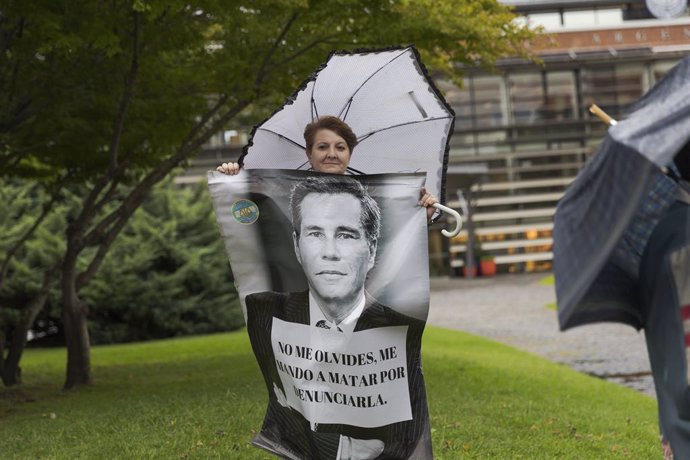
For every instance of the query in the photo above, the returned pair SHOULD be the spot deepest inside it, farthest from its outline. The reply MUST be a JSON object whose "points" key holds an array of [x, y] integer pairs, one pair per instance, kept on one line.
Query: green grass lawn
{"points": [[203, 398]]}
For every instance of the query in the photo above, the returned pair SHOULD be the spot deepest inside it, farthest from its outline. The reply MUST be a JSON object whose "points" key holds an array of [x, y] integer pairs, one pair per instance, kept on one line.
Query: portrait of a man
{"points": [[335, 237], [336, 229]]}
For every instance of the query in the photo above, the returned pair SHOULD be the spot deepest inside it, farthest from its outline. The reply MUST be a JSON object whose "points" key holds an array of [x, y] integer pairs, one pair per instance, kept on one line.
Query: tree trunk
{"points": [[78, 347], [2, 348], [10, 371], [74, 315]]}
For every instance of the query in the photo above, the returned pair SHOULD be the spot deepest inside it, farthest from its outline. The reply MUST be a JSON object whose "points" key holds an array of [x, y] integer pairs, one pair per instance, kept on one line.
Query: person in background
{"points": [[665, 298]]}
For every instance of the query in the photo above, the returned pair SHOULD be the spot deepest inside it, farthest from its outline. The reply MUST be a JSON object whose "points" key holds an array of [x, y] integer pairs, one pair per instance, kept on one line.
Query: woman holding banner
{"points": [[329, 146], [396, 434]]}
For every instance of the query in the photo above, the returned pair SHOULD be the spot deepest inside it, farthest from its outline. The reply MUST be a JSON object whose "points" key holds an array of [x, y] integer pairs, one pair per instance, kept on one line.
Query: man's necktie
{"points": [[324, 325]]}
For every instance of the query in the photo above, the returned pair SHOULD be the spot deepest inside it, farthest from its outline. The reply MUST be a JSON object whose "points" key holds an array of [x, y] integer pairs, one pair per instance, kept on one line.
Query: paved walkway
{"points": [[512, 309]]}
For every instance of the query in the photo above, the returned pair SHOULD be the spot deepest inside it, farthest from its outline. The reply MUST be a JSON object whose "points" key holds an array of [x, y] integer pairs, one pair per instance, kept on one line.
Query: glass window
{"points": [[578, 18], [599, 87], [548, 20], [613, 88], [587, 18], [478, 104], [629, 84], [488, 106], [559, 101], [609, 17], [526, 97]]}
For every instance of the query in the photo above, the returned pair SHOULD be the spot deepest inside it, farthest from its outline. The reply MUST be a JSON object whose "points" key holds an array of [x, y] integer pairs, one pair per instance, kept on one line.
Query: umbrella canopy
{"points": [[401, 120], [604, 220]]}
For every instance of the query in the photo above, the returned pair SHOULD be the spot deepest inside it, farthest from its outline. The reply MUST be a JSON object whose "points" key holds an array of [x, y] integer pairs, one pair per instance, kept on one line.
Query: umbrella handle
{"points": [[603, 116], [455, 214]]}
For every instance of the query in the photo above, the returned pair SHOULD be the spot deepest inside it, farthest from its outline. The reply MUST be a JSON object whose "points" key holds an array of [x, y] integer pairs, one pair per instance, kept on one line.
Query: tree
{"points": [[32, 247], [166, 275], [117, 93]]}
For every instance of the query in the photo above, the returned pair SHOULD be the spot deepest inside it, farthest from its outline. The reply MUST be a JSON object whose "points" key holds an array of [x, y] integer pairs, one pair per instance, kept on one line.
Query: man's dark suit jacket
{"points": [[286, 432]]}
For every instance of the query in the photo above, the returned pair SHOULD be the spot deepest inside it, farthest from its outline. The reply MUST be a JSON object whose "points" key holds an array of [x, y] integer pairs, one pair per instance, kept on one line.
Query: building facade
{"points": [[531, 124]]}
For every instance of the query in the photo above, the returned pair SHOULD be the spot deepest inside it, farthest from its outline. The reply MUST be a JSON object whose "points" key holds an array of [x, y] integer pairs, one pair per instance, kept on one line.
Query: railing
{"points": [[512, 213]]}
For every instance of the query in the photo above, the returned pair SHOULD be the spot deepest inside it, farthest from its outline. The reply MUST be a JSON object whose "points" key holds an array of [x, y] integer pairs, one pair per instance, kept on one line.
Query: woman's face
{"points": [[330, 153]]}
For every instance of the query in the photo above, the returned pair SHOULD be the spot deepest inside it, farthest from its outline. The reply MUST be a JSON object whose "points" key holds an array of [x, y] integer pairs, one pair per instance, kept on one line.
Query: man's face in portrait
{"points": [[332, 246]]}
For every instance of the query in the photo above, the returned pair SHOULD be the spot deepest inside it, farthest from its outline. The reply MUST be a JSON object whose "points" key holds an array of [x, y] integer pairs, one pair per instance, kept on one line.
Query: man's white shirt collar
{"points": [[347, 325]]}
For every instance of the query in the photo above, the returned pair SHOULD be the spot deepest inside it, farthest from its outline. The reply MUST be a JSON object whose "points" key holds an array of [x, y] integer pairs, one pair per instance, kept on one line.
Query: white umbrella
{"points": [[401, 120]]}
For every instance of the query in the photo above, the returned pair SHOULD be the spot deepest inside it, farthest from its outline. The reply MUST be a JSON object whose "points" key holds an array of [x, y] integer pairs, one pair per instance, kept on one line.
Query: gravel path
{"points": [[512, 309]]}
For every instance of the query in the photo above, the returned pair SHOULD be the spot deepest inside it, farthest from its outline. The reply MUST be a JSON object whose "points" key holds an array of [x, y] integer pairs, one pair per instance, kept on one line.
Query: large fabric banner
{"points": [[332, 274]]}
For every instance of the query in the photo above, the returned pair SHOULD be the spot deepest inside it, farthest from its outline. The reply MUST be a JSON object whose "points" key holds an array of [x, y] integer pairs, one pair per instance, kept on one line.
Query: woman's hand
{"points": [[427, 200], [229, 168]]}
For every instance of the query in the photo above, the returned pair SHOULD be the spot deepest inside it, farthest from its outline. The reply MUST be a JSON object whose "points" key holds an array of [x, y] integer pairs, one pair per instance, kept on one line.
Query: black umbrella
{"points": [[604, 220]]}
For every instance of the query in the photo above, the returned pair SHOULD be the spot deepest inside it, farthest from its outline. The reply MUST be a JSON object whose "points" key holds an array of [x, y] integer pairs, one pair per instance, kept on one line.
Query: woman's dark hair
{"points": [[331, 123]]}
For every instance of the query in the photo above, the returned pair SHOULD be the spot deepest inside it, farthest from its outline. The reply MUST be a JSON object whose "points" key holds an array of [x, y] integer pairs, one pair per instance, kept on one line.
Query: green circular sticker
{"points": [[245, 211]]}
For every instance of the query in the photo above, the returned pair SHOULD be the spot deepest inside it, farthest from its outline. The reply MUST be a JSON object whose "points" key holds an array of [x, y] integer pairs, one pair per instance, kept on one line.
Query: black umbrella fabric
{"points": [[604, 220], [401, 120]]}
